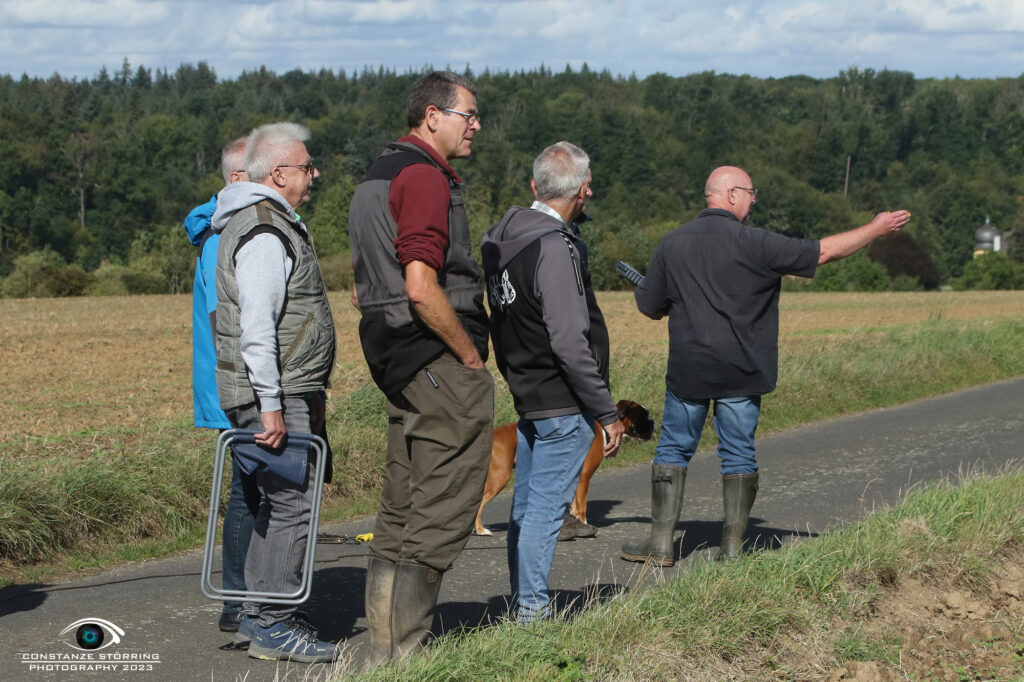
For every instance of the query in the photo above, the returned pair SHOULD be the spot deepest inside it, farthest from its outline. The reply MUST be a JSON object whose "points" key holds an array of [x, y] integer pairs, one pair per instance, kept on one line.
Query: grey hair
{"points": [[267, 146], [437, 88], [560, 171], [232, 158]]}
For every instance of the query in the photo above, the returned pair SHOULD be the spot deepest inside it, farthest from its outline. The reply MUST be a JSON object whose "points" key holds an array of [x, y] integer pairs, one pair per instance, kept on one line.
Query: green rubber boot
{"points": [[738, 493], [380, 579], [413, 602], [667, 483]]}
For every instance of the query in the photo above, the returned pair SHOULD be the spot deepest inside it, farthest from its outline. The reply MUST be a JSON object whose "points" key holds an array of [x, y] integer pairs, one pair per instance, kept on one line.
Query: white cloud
{"points": [[760, 37], [103, 14]]}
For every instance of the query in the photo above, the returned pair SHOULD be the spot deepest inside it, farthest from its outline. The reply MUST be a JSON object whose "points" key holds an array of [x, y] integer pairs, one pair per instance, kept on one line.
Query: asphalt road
{"points": [[811, 478]]}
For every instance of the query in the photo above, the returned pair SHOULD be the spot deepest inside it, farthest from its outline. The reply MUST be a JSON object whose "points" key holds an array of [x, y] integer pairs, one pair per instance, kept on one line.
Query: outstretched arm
{"points": [[839, 246]]}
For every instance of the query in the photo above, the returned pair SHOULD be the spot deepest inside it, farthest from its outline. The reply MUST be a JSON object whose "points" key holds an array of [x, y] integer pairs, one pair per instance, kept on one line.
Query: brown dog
{"points": [[635, 418]]}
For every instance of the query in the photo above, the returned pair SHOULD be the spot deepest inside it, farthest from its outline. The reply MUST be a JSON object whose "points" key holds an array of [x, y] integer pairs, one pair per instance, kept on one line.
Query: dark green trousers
{"points": [[439, 448]]}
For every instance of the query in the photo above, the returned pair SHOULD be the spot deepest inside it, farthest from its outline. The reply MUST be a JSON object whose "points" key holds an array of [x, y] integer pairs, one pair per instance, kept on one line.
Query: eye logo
{"points": [[92, 634]]}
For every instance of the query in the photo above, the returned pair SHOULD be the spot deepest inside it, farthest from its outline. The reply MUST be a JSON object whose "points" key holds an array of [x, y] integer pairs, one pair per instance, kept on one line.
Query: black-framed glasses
{"points": [[307, 167], [470, 118], [752, 191]]}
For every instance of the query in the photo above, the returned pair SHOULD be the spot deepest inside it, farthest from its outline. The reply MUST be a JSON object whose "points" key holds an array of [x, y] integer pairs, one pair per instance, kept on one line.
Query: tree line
{"points": [[97, 174]]}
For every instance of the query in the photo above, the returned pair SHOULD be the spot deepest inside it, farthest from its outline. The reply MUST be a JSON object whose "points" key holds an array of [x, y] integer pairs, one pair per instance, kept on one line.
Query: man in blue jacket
{"points": [[243, 501]]}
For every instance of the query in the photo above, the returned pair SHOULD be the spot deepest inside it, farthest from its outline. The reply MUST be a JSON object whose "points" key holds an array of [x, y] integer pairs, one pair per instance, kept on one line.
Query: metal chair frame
{"points": [[206, 574]]}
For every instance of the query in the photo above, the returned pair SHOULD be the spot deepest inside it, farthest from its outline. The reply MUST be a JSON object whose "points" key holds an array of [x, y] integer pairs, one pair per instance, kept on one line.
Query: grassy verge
{"points": [[796, 613], [109, 500]]}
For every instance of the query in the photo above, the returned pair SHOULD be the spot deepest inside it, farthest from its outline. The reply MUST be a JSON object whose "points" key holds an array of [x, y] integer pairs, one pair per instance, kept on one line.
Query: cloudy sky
{"points": [[930, 38]]}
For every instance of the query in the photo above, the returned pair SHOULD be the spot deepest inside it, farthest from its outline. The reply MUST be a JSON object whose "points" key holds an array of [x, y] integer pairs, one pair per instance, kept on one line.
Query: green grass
{"points": [[56, 512], [768, 615]]}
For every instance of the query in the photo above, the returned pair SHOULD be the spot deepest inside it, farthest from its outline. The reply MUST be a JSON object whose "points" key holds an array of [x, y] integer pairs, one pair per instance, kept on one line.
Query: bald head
{"points": [[730, 188]]}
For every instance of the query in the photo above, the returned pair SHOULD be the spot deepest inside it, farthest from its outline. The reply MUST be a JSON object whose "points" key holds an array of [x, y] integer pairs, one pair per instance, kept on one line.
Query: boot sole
{"points": [[647, 559]]}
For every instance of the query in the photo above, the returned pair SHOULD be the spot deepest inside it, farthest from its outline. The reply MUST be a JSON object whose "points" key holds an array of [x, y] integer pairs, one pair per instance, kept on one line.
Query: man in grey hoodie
{"points": [[551, 344], [275, 351]]}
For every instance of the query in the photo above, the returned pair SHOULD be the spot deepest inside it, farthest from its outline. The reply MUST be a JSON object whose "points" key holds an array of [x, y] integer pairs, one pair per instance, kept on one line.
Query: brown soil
{"points": [[84, 375], [947, 632]]}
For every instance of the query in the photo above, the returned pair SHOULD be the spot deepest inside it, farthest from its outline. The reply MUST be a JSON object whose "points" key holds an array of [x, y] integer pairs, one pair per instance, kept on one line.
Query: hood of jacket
{"points": [[518, 229], [241, 195], [198, 221]]}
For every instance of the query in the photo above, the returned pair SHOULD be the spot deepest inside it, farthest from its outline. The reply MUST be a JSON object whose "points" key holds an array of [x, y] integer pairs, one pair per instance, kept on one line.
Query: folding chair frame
{"points": [[306, 585]]}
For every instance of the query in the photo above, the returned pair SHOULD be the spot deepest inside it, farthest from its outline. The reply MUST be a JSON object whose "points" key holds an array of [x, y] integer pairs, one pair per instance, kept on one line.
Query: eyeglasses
{"points": [[752, 191], [470, 118], [307, 167]]}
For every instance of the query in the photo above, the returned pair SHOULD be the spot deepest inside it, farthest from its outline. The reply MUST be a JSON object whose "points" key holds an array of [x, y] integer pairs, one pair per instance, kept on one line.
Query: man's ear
{"points": [[430, 117], [533, 187], [277, 175]]}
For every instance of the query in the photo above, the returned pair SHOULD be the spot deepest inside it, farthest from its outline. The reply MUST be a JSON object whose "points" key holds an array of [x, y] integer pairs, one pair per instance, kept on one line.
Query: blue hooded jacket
{"points": [[205, 402]]}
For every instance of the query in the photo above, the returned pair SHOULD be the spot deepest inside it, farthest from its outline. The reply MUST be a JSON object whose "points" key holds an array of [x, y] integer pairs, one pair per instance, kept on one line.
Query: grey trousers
{"points": [[281, 531], [438, 452]]}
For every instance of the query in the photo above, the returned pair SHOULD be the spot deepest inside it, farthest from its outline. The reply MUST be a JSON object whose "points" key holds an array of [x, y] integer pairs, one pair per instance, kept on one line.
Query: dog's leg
{"points": [[590, 464], [478, 524], [499, 471]]}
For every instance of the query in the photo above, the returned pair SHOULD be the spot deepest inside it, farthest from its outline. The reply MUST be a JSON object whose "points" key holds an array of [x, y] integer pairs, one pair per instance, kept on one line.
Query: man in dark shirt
{"points": [[424, 336], [718, 280]]}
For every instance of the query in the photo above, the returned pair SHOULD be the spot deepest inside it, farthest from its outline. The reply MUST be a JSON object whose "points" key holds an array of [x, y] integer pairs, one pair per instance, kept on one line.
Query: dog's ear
{"points": [[622, 408], [637, 413], [641, 420]]}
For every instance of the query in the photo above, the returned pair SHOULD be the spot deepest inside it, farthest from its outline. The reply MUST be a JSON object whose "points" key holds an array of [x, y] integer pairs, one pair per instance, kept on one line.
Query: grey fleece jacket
{"points": [[262, 268], [554, 282]]}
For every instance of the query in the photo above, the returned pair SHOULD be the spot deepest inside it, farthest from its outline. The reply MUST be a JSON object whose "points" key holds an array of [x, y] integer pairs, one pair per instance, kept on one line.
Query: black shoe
{"points": [[571, 524], [229, 620]]}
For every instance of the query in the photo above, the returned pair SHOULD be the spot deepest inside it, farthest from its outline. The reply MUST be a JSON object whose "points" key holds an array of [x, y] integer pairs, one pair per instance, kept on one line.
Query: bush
{"points": [[991, 271], [336, 270], [141, 277], [44, 274], [856, 273], [903, 256], [108, 280]]}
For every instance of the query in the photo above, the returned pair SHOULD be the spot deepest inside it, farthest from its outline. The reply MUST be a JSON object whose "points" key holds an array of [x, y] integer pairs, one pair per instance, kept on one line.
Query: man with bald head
{"points": [[718, 280]]}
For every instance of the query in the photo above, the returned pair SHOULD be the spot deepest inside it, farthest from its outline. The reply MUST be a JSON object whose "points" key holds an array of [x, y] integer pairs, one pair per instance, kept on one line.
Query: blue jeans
{"points": [[735, 421], [549, 458], [243, 505]]}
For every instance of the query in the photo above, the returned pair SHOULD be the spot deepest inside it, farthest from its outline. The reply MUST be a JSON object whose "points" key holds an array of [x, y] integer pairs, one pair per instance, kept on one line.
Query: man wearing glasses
{"points": [[718, 280], [424, 337], [275, 351]]}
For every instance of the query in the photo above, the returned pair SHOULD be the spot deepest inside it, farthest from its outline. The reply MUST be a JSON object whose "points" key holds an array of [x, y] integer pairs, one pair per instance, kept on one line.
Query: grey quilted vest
{"points": [[305, 329]]}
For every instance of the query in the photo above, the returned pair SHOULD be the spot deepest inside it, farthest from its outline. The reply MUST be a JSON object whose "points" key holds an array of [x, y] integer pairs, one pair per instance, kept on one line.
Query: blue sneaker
{"points": [[244, 632], [290, 640], [245, 627]]}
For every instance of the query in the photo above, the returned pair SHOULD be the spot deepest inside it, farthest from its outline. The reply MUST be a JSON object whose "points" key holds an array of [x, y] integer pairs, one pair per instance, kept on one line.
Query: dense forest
{"points": [[96, 175]]}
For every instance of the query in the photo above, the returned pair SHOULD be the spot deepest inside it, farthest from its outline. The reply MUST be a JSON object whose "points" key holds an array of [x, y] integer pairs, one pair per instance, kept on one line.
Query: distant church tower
{"points": [[987, 239]]}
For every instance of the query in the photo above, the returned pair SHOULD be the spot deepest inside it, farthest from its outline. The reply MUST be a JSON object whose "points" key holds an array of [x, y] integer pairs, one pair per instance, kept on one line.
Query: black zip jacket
{"points": [[550, 339]]}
